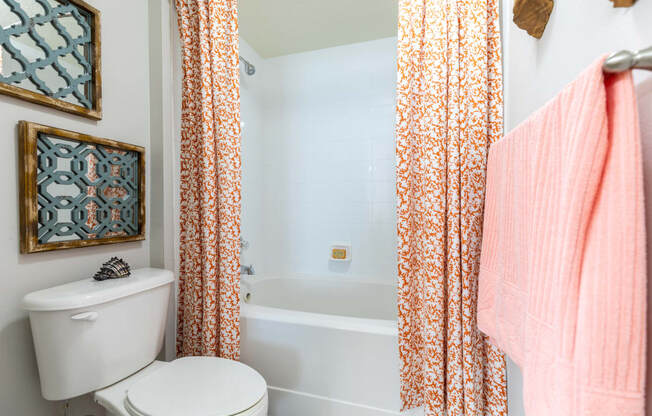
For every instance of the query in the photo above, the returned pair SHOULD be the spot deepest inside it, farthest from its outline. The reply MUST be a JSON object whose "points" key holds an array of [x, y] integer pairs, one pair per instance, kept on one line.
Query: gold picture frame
{"points": [[39, 145]]}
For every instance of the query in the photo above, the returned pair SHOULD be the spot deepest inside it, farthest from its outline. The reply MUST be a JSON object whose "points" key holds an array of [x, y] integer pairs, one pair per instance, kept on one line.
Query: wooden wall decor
{"points": [[532, 15], [623, 3], [50, 54], [78, 190]]}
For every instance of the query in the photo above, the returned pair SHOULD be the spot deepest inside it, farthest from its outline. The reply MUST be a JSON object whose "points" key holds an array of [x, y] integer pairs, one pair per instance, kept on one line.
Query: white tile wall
{"points": [[325, 164], [252, 90]]}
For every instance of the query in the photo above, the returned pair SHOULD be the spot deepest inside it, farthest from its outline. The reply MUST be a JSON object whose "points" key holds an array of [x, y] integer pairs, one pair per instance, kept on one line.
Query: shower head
{"points": [[249, 68]]}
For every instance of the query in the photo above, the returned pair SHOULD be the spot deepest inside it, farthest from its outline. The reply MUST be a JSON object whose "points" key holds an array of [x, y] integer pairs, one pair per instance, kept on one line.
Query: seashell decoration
{"points": [[115, 268]]}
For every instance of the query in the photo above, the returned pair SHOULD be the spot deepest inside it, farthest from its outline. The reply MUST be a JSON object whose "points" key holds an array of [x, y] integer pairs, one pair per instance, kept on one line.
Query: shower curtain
{"points": [[209, 285], [449, 110]]}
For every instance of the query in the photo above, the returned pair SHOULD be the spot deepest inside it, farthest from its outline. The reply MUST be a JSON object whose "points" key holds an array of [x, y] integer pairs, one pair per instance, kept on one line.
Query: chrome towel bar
{"points": [[624, 60]]}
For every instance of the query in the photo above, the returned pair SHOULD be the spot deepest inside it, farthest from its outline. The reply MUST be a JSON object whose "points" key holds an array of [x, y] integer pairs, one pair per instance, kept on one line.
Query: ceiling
{"points": [[282, 27]]}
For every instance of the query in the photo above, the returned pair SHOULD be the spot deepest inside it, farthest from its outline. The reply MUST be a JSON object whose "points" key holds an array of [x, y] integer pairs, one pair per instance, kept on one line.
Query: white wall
{"points": [[252, 111], [126, 118], [579, 31], [644, 95], [165, 99], [327, 171]]}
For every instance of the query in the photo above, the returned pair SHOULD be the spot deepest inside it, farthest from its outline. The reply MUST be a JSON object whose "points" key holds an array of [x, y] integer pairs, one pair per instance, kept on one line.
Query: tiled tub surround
{"points": [[318, 155], [326, 347]]}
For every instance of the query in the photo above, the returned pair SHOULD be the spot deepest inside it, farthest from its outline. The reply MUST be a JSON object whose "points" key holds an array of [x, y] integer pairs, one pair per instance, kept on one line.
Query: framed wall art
{"points": [[50, 54], [78, 190]]}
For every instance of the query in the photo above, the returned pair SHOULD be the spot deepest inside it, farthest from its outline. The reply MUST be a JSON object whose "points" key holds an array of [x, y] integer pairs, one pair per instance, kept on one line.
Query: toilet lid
{"points": [[198, 386]]}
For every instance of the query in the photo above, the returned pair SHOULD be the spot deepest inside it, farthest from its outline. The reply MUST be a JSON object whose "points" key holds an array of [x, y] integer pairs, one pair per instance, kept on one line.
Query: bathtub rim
{"points": [[338, 322]]}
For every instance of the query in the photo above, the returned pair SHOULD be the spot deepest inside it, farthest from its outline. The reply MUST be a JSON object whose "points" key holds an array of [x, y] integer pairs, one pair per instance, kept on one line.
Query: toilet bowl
{"points": [[103, 338], [188, 386]]}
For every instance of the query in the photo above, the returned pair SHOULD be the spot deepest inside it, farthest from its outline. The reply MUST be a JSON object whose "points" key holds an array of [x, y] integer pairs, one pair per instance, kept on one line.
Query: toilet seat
{"points": [[259, 409], [198, 386]]}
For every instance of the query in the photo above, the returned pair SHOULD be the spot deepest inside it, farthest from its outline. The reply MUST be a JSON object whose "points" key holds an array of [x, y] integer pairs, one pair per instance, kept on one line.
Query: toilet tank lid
{"points": [[89, 292]]}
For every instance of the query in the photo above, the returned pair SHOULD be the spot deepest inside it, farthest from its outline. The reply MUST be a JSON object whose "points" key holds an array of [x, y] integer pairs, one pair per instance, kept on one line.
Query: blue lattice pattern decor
{"points": [[85, 190], [45, 56]]}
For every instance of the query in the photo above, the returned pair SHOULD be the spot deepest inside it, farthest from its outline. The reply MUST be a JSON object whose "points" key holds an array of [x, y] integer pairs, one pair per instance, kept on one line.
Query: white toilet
{"points": [[103, 337]]}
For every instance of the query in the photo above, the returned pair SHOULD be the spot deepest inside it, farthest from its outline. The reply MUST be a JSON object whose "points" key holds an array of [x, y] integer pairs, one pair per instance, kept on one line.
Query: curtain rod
{"points": [[624, 60]]}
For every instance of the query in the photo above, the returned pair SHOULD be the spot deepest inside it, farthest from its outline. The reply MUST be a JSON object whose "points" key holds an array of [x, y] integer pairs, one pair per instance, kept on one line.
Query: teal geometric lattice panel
{"points": [[45, 47], [85, 191]]}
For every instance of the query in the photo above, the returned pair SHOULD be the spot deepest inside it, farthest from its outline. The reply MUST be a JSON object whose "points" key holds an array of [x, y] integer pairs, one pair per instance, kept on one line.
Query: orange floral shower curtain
{"points": [[209, 285], [449, 110]]}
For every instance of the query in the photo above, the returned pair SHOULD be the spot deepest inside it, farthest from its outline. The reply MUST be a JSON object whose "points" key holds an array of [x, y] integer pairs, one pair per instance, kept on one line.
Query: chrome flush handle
{"points": [[85, 316]]}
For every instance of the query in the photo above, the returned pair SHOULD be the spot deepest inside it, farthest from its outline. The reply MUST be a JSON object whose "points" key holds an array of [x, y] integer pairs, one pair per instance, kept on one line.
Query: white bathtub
{"points": [[326, 347]]}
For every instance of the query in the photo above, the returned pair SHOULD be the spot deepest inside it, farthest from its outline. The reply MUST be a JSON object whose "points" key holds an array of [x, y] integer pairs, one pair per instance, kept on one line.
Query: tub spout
{"points": [[248, 270]]}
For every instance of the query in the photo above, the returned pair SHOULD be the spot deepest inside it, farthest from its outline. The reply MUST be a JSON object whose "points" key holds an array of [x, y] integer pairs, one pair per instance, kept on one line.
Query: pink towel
{"points": [[563, 273]]}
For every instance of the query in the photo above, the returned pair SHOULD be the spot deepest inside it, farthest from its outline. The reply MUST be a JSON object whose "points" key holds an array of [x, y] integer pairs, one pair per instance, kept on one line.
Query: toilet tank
{"points": [[90, 334]]}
